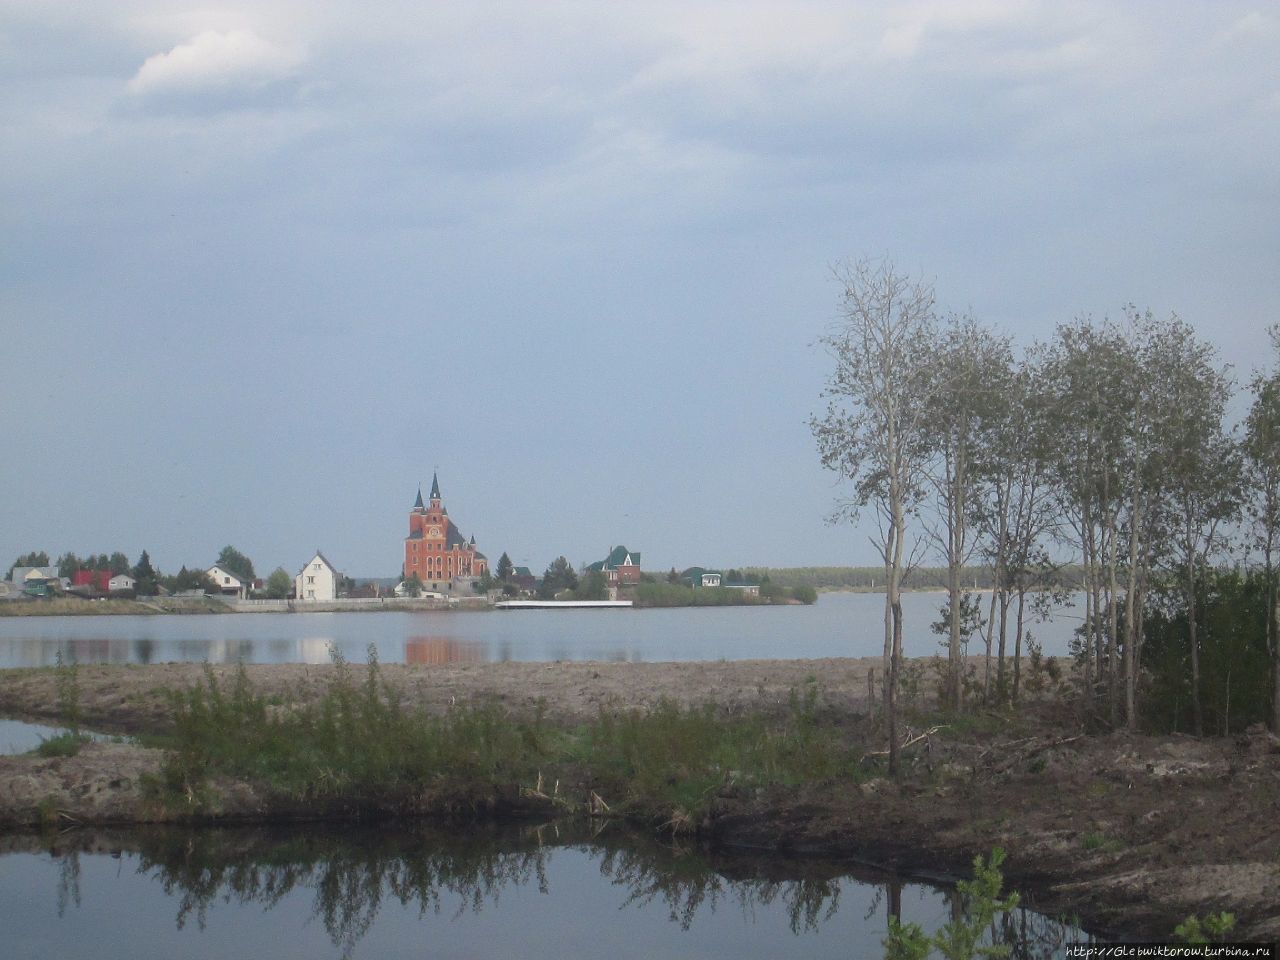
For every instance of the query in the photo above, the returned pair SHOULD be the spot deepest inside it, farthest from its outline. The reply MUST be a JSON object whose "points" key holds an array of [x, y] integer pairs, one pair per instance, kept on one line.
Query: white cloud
{"points": [[215, 60]]}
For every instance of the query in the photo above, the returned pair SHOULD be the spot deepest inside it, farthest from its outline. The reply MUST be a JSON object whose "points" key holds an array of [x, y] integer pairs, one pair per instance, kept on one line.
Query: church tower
{"points": [[435, 549]]}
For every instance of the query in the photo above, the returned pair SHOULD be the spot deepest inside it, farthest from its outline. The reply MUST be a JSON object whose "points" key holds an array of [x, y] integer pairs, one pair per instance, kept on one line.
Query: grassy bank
{"points": [[359, 748], [679, 595], [78, 606]]}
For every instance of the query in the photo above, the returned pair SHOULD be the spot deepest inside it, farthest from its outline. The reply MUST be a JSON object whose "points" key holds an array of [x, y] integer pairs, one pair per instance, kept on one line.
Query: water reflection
{"points": [[442, 650], [360, 880], [839, 625]]}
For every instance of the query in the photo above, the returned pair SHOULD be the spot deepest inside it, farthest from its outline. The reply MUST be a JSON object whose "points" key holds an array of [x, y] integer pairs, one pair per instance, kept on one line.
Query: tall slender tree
{"points": [[873, 432], [970, 366], [1262, 458], [1200, 465]]}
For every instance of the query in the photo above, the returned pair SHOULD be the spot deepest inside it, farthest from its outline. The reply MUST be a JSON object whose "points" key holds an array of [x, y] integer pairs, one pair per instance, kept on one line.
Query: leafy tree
{"points": [[487, 581], [594, 586], [559, 576], [505, 567], [1200, 467], [1093, 376], [236, 562], [68, 564], [1231, 612], [118, 563], [279, 583], [875, 430], [37, 558], [673, 576], [146, 576], [183, 580], [414, 585], [1262, 459], [970, 367]]}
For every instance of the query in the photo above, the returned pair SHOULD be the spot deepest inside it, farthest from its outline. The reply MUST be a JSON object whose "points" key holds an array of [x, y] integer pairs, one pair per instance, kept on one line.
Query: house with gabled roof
{"points": [[38, 581], [317, 580], [620, 568], [228, 583]]}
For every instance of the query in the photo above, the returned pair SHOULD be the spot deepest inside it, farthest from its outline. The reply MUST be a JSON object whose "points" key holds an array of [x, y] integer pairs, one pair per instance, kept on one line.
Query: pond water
{"points": [[547, 892], [838, 625], [17, 736]]}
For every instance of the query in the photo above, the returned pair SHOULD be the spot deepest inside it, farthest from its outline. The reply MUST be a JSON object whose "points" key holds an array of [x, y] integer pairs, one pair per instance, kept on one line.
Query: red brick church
{"points": [[435, 550]]}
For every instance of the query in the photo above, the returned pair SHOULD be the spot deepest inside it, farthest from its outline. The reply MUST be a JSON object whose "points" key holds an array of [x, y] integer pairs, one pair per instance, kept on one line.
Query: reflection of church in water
{"points": [[442, 650], [435, 549]]}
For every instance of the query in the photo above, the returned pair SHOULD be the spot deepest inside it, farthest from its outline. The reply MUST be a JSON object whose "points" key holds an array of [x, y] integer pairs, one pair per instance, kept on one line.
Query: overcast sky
{"points": [[265, 265]]}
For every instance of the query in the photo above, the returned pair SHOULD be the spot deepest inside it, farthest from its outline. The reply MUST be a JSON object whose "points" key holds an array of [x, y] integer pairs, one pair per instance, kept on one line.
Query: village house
{"points": [[228, 583], [620, 568], [317, 580], [698, 577], [38, 581]]}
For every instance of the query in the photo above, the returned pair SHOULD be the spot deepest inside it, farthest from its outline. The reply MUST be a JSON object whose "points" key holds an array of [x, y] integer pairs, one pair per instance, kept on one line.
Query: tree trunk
{"points": [[1113, 627], [1131, 664], [899, 524], [953, 597], [1017, 644], [1086, 542], [1197, 713]]}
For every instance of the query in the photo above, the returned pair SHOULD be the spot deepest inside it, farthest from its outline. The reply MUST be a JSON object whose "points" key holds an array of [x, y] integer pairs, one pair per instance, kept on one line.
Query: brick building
{"points": [[435, 550]]}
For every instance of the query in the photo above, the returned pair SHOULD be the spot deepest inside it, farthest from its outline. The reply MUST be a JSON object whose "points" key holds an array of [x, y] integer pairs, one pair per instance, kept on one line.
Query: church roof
{"points": [[435, 487], [417, 504]]}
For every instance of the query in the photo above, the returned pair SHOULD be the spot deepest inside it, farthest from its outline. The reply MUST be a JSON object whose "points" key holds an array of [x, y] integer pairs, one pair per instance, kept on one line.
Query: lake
{"points": [[551, 892], [838, 625]]}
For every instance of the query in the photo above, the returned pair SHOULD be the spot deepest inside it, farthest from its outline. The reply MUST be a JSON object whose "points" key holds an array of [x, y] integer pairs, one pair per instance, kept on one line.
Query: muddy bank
{"points": [[1131, 834]]}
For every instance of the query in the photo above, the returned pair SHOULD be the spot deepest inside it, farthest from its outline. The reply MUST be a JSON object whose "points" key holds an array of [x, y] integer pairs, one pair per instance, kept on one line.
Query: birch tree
{"points": [[1016, 513], [1262, 458], [1092, 377], [1199, 465], [873, 431], [971, 370]]}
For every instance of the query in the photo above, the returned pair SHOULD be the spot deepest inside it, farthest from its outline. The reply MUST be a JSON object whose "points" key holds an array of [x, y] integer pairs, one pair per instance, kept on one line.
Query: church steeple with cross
{"points": [[436, 550]]}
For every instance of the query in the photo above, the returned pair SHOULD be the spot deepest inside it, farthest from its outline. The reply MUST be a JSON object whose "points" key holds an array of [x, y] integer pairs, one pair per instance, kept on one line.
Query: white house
{"points": [[228, 582], [121, 581], [317, 581]]}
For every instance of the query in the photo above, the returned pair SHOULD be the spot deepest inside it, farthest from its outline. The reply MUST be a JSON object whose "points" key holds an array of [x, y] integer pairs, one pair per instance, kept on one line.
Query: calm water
{"points": [[389, 894], [19, 737], [838, 625]]}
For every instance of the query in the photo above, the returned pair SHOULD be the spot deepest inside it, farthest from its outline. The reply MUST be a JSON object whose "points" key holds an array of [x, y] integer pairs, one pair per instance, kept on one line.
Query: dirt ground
{"points": [[1129, 833]]}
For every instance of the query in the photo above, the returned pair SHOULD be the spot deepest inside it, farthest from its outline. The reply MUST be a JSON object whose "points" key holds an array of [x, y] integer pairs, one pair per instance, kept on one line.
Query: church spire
{"points": [[417, 504], [435, 487]]}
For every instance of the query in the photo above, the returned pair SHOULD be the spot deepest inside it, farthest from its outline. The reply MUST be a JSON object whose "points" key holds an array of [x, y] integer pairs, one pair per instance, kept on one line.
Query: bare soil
{"points": [[1129, 833]]}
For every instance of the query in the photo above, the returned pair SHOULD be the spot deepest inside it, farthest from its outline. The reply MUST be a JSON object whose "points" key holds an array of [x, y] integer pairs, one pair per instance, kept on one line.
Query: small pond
{"points": [[546, 892]]}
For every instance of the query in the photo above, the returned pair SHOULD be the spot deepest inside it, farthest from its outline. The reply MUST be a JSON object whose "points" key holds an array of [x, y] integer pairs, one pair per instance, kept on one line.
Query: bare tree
{"points": [[873, 431]]}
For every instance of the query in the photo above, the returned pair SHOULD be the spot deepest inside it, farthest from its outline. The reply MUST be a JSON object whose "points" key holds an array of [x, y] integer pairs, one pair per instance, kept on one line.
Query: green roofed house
{"points": [[620, 567], [523, 578], [700, 577]]}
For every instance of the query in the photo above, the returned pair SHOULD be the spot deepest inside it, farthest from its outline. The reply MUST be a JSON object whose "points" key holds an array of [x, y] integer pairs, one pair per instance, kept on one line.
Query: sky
{"points": [[267, 266]]}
